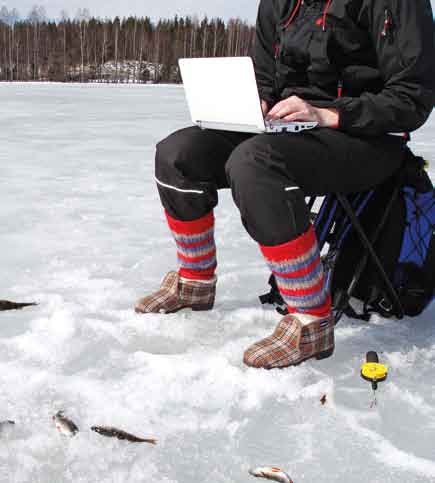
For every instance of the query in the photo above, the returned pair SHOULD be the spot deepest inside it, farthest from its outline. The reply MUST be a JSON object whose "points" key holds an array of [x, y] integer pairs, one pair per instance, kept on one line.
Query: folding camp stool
{"points": [[338, 214]]}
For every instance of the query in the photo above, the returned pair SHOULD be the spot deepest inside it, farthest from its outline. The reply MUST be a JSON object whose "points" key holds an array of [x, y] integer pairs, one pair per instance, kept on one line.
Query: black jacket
{"points": [[373, 60]]}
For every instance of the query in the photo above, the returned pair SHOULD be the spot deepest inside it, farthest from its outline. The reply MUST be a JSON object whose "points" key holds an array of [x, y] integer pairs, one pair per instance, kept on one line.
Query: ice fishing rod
{"points": [[373, 371]]}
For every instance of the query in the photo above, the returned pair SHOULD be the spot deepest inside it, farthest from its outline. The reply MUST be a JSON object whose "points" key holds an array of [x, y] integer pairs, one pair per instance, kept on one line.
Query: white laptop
{"points": [[222, 94]]}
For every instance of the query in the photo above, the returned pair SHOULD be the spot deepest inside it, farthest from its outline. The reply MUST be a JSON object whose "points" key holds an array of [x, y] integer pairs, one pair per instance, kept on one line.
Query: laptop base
{"points": [[272, 127]]}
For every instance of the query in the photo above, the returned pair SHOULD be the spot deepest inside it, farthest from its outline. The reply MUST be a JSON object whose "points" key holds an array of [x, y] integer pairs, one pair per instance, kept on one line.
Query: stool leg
{"points": [[370, 250]]}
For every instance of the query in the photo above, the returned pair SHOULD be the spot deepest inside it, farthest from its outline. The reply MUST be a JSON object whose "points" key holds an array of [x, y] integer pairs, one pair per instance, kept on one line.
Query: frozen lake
{"points": [[82, 233]]}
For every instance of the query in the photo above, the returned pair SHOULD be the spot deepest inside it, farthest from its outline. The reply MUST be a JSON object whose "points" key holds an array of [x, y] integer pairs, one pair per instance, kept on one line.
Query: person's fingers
{"points": [[289, 109], [287, 106], [284, 110], [303, 115], [278, 106]]}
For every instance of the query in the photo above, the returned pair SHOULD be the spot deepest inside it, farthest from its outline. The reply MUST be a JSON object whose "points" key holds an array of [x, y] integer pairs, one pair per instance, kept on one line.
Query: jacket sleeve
{"points": [[403, 36], [264, 55]]}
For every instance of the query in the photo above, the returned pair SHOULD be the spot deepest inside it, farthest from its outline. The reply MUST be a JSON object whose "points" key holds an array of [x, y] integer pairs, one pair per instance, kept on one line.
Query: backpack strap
{"points": [[350, 312], [273, 297], [377, 303]]}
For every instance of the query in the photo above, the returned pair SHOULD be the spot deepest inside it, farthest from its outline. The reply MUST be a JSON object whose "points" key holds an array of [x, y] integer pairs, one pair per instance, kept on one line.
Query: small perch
{"points": [[112, 432], [7, 305]]}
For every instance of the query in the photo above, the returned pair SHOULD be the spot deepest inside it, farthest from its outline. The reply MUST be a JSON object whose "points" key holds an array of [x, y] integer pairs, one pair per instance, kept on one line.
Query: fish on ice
{"points": [[64, 425], [8, 305], [112, 432], [271, 473]]}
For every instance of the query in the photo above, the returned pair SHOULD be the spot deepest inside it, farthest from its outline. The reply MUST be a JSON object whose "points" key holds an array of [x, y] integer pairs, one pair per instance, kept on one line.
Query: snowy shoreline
{"points": [[106, 84]]}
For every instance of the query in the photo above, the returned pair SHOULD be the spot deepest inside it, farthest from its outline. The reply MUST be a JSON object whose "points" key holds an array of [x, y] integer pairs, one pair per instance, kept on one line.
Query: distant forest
{"points": [[88, 49], [133, 49]]}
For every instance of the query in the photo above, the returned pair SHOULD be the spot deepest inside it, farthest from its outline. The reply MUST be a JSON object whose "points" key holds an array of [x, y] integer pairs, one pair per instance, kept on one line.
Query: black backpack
{"points": [[404, 207]]}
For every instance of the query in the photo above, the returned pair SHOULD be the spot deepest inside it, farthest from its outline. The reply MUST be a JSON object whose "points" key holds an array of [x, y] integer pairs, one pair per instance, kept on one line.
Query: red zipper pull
{"points": [[276, 50], [387, 24], [339, 88]]}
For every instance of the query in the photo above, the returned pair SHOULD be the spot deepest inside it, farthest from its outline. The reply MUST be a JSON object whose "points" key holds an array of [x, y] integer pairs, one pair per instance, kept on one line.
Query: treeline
{"points": [[88, 49]]}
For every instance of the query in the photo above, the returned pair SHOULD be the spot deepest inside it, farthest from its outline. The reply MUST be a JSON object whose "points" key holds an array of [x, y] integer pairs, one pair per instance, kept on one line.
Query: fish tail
{"points": [[150, 441], [136, 439]]}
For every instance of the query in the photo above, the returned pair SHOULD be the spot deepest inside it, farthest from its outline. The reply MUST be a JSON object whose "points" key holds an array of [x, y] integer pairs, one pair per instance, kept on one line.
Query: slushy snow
{"points": [[83, 234]]}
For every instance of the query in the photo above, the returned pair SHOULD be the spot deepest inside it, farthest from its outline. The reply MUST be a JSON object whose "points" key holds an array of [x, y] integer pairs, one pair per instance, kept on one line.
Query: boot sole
{"points": [[195, 308], [325, 354], [319, 356], [201, 308]]}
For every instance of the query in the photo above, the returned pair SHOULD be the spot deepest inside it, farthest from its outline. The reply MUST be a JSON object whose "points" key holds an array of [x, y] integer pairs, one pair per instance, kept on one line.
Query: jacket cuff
{"points": [[352, 118], [344, 116], [337, 124]]}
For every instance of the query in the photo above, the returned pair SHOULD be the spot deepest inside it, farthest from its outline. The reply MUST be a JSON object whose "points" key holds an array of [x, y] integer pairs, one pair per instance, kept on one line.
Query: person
{"points": [[362, 69]]}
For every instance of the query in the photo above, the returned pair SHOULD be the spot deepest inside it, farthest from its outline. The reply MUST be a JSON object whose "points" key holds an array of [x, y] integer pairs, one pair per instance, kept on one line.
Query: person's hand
{"points": [[264, 107], [296, 109]]}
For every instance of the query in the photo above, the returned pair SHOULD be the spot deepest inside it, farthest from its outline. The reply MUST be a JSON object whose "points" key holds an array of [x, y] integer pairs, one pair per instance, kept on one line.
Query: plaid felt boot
{"points": [[194, 286], [308, 330], [295, 339], [177, 293]]}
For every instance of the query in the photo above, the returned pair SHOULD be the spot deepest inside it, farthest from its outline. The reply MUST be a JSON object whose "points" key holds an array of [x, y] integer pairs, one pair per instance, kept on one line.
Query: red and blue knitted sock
{"points": [[299, 274], [196, 247]]}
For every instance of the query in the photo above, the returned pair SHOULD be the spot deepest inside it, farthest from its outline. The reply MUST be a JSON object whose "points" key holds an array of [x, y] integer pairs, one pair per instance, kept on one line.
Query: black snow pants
{"points": [[269, 174]]}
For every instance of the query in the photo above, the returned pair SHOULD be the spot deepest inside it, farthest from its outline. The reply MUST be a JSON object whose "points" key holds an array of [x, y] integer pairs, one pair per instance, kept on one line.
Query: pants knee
{"points": [[271, 211], [242, 169], [178, 152], [166, 157], [182, 192]]}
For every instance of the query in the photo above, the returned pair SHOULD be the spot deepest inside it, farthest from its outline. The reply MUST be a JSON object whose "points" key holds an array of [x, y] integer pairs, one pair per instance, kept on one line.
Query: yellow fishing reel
{"points": [[374, 372]]}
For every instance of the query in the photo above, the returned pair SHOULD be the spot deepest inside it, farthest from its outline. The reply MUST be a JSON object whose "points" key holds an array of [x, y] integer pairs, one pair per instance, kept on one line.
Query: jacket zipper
{"points": [[276, 50]]}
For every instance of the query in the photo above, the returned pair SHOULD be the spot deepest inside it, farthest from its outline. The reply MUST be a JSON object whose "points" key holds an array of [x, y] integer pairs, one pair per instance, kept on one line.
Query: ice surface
{"points": [[82, 233]]}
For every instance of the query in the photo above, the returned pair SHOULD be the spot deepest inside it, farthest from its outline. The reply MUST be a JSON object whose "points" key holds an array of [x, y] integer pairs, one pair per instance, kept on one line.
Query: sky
{"points": [[245, 9]]}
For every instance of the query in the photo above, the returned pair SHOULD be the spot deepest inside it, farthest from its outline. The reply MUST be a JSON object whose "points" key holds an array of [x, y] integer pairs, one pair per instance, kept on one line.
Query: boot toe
{"points": [[160, 302], [144, 306], [258, 355], [281, 349], [165, 300], [139, 309], [251, 357]]}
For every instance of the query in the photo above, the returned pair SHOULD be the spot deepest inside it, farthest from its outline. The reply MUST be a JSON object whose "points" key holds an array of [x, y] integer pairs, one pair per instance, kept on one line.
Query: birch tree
{"points": [[82, 16]]}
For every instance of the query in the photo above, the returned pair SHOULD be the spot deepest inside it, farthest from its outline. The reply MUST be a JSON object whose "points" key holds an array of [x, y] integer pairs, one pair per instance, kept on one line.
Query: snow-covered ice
{"points": [[82, 233]]}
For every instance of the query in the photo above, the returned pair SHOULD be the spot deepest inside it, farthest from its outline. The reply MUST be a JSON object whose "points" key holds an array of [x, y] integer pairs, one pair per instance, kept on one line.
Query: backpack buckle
{"points": [[383, 305]]}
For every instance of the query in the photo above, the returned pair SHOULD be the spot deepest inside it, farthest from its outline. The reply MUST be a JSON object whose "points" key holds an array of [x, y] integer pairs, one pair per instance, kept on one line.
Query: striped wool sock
{"points": [[196, 248], [299, 274]]}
